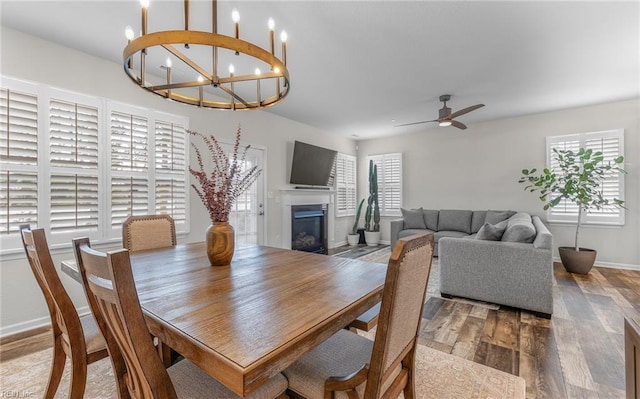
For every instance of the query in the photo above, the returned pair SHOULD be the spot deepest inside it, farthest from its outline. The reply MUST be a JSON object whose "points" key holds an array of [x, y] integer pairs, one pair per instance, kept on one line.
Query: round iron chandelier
{"points": [[198, 81]]}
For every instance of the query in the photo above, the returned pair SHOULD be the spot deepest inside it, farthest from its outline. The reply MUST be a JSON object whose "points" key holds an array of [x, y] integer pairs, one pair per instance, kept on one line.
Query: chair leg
{"points": [[409, 364], [78, 381], [57, 368]]}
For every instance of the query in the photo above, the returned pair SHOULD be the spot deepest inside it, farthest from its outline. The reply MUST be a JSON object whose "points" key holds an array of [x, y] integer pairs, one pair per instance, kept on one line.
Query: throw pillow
{"points": [[494, 217], [413, 218], [491, 232], [519, 230]]}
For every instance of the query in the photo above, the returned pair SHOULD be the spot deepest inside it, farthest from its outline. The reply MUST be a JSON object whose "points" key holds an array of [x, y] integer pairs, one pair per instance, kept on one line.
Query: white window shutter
{"points": [[345, 177], [611, 144], [129, 196], [18, 160], [389, 183]]}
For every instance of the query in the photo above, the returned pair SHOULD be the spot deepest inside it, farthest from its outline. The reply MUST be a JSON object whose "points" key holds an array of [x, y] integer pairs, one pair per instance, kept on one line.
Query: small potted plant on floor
{"points": [[372, 230], [354, 237], [577, 179]]}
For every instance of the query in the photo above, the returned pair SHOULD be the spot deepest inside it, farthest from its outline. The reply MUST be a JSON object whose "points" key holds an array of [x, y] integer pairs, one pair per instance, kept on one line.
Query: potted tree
{"points": [[577, 179], [354, 237], [372, 230]]}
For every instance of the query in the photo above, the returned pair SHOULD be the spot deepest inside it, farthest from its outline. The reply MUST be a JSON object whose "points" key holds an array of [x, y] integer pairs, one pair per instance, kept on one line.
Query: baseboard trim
{"points": [[610, 265], [31, 327]]}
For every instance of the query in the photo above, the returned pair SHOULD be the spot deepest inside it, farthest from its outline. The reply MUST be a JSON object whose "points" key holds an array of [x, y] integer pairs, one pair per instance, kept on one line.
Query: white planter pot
{"points": [[352, 239], [372, 238]]}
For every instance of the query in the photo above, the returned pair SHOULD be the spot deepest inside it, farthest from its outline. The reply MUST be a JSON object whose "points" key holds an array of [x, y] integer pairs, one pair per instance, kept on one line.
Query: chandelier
{"points": [[195, 78]]}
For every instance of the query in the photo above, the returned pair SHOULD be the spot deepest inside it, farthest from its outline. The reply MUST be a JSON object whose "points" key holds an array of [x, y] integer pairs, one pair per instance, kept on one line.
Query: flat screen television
{"points": [[311, 165]]}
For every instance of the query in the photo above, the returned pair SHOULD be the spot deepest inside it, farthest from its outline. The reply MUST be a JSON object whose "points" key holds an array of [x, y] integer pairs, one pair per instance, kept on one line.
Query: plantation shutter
{"points": [[610, 143], [18, 160], [389, 183], [73, 147], [345, 185], [170, 166], [129, 166]]}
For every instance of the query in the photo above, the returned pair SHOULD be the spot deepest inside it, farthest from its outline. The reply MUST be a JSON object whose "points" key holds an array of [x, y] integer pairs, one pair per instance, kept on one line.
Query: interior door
{"points": [[248, 212]]}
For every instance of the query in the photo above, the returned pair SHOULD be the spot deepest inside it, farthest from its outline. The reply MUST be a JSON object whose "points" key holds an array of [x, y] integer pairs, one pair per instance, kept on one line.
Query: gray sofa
{"points": [[502, 257]]}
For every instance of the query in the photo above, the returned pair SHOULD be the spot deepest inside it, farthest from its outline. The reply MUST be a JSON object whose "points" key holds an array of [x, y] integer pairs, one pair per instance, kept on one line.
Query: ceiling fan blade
{"points": [[415, 123], [459, 125], [466, 110]]}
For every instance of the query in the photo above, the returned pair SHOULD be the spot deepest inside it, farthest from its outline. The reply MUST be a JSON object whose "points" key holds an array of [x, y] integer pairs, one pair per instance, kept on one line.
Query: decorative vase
{"points": [[372, 237], [220, 242], [579, 262]]}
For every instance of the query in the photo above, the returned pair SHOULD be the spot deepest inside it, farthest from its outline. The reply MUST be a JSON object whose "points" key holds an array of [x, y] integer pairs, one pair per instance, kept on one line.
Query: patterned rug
{"points": [[439, 376]]}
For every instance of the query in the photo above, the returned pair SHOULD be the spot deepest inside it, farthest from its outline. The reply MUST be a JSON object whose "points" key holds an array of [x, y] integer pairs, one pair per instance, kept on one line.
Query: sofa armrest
{"points": [[397, 225], [507, 273]]}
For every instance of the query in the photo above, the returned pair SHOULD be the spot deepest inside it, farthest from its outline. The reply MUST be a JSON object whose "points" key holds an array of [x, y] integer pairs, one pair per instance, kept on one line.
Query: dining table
{"points": [[245, 322]]}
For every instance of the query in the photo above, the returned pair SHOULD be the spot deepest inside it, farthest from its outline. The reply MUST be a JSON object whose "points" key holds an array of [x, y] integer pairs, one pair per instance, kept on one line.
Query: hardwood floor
{"points": [[579, 353]]}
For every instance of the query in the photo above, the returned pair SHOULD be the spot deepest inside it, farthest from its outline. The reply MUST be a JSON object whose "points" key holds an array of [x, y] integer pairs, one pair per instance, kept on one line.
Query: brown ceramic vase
{"points": [[579, 262], [220, 243]]}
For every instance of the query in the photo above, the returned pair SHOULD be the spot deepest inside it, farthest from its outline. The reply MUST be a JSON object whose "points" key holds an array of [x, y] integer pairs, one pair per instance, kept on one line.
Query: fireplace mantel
{"points": [[290, 196]]}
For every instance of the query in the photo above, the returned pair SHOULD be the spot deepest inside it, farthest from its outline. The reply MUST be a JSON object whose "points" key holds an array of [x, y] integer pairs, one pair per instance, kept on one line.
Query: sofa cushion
{"points": [[492, 232], [413, 218], [431, 218], [520, 229], [448, 233], [455, 220], [477, 220], [410, 232], [495, 217]]}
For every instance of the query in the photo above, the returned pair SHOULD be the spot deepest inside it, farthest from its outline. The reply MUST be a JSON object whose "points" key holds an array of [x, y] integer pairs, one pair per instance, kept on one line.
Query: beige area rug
{"points": [[439, 376]]}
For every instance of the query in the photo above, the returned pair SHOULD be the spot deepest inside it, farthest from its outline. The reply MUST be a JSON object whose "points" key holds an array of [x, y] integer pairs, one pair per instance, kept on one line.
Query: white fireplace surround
{"points": [[291, 197]]}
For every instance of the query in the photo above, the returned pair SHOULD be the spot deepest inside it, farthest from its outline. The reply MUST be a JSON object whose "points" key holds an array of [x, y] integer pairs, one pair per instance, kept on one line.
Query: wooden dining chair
{"points": [[75, 337], [632, 357], [110, 280], [348, 365], [140, 233]]}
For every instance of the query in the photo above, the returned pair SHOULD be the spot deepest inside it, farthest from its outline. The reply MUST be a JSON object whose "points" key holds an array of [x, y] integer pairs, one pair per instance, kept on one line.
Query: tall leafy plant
{"points": [[354, 229], [578, 179], [373, 210]]}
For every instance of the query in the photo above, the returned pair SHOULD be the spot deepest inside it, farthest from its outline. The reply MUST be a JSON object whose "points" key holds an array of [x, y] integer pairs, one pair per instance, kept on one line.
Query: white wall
{"points": [[28, 58], [479, 168]]}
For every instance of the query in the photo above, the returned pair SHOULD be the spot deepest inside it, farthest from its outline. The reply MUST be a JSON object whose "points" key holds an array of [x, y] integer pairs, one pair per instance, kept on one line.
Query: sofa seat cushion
{"points": [[448, 233], [410, 232], [413, 218], [455, 220], [520, 229]]}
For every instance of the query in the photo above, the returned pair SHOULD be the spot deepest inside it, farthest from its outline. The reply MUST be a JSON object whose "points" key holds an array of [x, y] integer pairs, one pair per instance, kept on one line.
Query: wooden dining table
{"points": [[248, 321]]}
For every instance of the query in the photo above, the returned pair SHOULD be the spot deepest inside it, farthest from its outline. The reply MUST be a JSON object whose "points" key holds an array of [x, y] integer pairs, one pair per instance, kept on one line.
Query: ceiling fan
{"points": [[446, 118]]}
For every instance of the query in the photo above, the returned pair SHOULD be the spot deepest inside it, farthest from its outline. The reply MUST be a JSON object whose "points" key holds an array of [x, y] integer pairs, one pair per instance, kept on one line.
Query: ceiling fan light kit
{"points": [[248, 90], [445, 117]]}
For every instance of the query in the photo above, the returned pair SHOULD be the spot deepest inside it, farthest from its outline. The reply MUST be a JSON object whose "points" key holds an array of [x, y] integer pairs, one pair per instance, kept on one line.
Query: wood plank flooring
{"points": [[579, 353]]}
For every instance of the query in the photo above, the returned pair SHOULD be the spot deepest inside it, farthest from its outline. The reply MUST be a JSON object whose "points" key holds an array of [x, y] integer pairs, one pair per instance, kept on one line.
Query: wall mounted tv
{"points": [[311, 165]]}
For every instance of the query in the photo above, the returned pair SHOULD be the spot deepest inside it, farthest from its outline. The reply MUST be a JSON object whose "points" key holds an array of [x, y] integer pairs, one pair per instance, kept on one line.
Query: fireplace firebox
{"points": [[309, 228]]}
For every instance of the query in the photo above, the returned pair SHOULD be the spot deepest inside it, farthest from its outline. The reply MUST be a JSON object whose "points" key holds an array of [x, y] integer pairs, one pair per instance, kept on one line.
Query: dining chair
{"points": [[632, 357], [75, 337], [110, 280], [351, 366], [148, 232]]}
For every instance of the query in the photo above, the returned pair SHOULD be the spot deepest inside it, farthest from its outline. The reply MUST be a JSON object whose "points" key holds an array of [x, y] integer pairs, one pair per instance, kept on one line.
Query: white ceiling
{"points": [[357, 66]]}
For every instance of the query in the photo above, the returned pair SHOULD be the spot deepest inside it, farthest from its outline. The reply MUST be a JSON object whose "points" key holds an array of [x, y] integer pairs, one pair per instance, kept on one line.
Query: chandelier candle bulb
{"points": [[283, 38], [235, 16], [272, 29], [145, 6], [128, 32]]}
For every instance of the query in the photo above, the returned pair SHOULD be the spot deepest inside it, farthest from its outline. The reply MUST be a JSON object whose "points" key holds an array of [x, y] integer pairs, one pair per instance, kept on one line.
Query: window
{"points": [[346, 200], [611, 144], [389, 183], [76, 164]]}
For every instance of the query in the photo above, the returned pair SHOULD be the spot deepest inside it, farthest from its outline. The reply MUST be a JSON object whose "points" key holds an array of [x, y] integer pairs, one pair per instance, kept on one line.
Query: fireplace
{"points": [[309, 228]]}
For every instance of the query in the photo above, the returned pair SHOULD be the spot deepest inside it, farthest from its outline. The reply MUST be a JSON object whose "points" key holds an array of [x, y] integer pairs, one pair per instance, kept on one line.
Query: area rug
{"points": [[439, 376]]}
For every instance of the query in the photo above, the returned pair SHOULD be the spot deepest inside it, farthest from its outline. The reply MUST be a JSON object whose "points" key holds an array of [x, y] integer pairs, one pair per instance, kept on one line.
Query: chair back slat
{"points": [[110, 280], [140, 233], [400, 315], [64, 318], [632, 357]]}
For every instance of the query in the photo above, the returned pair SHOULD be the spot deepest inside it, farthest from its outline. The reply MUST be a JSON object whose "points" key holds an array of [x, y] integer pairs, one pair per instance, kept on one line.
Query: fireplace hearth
{"points": [[309, 228]]}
